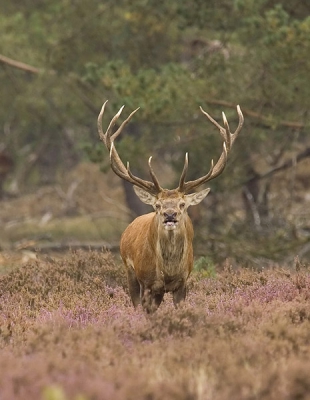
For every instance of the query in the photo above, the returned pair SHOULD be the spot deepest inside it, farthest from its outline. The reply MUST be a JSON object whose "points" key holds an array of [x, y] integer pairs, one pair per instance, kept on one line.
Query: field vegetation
{"points": [[69, 331]]}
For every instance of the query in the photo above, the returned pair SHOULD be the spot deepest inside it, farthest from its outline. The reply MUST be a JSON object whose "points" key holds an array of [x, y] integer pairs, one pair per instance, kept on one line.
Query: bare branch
{"points": [[286, 165], [250, 113]]}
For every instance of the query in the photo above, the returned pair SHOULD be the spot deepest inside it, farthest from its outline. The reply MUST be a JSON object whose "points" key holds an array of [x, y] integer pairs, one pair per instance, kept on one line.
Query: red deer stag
{"points": [[157, 247]]}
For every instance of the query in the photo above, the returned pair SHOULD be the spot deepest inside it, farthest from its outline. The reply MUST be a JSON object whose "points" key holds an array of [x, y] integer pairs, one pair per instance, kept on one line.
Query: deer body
{"points": [[157, 259], [156, 248]]}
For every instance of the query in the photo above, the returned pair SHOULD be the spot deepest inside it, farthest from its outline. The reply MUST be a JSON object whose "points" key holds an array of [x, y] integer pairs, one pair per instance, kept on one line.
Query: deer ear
{"points": [[144, 196], [196, 198]]}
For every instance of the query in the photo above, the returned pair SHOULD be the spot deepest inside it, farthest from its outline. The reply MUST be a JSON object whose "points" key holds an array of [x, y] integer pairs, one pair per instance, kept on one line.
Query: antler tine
{"points": [[240, 124], [148, 186], [99, 123], [227, 132], [183, 175], [219, 167], [115, 134], [190, 185], [153, 176], [221, 129], [106, 137], [116, 163]]}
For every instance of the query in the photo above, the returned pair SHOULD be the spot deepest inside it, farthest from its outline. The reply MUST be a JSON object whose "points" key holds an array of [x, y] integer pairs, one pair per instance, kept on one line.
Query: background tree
{"points": [[167, 59]]}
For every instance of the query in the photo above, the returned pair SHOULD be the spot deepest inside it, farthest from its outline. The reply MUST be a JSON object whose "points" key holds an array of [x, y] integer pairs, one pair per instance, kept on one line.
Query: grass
{"points": [[80, 228], [69, 331]]}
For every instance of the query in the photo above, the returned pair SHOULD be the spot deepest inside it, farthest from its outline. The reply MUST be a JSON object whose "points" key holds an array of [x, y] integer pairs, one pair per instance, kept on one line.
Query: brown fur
{"points": [[158, 260]]}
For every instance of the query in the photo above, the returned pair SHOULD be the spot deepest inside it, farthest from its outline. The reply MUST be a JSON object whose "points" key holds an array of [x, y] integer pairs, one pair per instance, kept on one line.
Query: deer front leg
{"points": [[134, 286], [151, 299], [179, 294]]}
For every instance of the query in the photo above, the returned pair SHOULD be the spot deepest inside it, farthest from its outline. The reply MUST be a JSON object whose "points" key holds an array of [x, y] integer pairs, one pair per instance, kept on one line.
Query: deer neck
{"points": [[171, 247]]}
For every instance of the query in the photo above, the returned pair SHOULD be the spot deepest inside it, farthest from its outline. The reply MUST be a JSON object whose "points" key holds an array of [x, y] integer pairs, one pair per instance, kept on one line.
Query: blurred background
{"points": [[61, 59]]}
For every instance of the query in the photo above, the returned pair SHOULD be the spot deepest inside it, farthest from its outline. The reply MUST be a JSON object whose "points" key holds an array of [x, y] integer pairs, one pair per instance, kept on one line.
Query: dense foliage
{"points": [[166, 59], [69, 331]]}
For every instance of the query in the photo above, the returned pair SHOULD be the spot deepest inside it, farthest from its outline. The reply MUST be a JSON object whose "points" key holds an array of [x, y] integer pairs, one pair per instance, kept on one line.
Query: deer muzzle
{"points": [[170, 220]]}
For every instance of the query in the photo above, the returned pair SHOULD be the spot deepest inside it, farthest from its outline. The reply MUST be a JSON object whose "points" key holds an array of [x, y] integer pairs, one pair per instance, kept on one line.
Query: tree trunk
{"points": [[135, 205]]}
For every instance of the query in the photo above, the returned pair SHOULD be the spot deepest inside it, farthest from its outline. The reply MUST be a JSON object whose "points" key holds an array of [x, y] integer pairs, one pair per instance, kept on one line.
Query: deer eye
{"points": [[157, 206], [182, 205]]}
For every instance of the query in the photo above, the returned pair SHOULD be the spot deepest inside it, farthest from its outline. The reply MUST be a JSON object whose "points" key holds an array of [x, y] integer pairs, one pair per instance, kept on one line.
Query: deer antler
{"points": [[116, 163], [154, 187], [218, 168]]}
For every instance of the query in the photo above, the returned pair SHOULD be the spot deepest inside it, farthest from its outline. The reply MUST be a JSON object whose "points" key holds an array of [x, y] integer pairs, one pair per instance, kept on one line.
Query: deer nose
{"points": [[170, 215]]}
